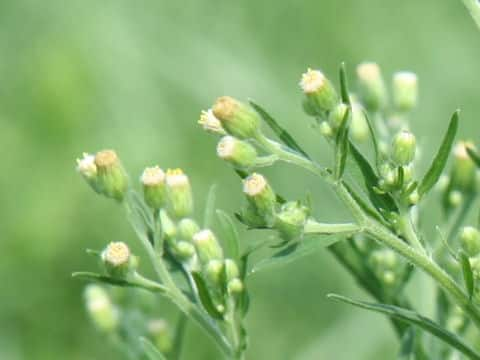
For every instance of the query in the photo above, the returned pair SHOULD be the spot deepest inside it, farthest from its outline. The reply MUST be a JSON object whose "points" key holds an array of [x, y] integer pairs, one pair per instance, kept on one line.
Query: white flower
{"points": [[312, 81], [152, 176], [86, 166], [210, 123]]}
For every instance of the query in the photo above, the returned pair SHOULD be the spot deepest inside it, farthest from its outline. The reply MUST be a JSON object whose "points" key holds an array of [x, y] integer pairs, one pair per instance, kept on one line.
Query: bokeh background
{"points": [[133, 75]]}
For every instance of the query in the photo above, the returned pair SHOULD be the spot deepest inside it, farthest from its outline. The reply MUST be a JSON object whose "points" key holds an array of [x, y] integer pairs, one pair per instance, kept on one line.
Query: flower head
{"points": [[210, 123]]}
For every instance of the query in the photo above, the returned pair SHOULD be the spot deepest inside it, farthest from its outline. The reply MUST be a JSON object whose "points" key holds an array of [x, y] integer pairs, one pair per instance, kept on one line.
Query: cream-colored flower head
{"points": [[405, 78], [86, 166], [116, 254], [152, 176], [176, 177], [203, 236], [210, 123], [368, 70], [312, 81], [254, 184], [226, 147]]}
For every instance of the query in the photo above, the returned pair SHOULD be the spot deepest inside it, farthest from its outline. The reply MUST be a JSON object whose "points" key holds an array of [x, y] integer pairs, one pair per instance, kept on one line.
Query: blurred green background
{"points": [[133, 75]]}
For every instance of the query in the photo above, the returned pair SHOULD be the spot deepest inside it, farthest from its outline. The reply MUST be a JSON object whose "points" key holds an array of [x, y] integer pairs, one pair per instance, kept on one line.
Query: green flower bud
{"points": [[455, 198], [184, 250], [235, 287], [231, 269], [187, 228], [403, 148], [463, 167], [214, 271], [161, 335], [388, 278], [359, 129], [154, 191], [372, 91], [237, 152], [207, 246], [405, 90], [290, 221], [237, 118], [320, 94], [414, 198], [100, 308], [179, 194], [112, 179], [210, 123], [260, 195], [118, 260], [336, 116], [470, 240], [87, 168], [169, 229], [408, 171], [383, 259]]}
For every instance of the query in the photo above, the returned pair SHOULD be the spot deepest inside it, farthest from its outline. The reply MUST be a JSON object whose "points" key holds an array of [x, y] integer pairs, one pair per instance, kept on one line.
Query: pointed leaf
{"points": [[205, 297], [440, 160], [278, 130], [341, 146], [94, 277], [151, 350], [344, 85], [467, 273], [411, 317], [210, 207], [296, 251], [373, 135], [407, 346], [230, 235], [474, 156]]}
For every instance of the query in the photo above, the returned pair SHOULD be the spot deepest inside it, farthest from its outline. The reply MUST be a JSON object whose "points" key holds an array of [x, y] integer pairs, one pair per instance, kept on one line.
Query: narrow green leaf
{"points": [[151, 350], [344, 84], [205, 297], [210, 207], [380, 201], [467, 273], [278, 130], [341, 146], [373, 135], [230, 235], [411, 188], [411, 317], [95, 253], [407, 346], [94, 277], [474, 156], [295, 251], [440, 160]]}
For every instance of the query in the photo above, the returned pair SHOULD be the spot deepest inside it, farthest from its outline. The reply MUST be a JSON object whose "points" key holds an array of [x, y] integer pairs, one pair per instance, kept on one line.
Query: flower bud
{"points": [[231, 269], [179, 193], [388, 278], [455, 198], [290, 221], [87, 168], [210, 123], [117, 259], [237, 152], [359, 129], [154, 192], [405, 90], [237, 118], [112, 179], [372, 91], [214, 271], [414, 197], [235, 286], [403, 148], [100, 308], [470, 240], [207, 246], [336, 116], [463, 167], [320, 94], [260, 195], [187, 228], [169, 230], [161, 335], [325, 129], [184, 250]]}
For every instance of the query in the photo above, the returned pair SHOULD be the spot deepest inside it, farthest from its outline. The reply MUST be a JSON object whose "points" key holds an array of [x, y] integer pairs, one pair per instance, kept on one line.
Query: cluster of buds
{"points": [[104, 173], [386, 266]]}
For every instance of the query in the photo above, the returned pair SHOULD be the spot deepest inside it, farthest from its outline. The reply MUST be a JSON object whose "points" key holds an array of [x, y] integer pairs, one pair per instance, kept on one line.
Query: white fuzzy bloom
{"points": [[152, 176], [116, 254], [367, 71], [203, 236], [226, 147], [176, 177], [312, 81], [86, 166], [407, 78], [210, 123], [254, 184]]}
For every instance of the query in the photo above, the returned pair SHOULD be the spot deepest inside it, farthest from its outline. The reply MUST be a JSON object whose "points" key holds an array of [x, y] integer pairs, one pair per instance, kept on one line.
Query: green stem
{"points": [[409, 232], [473, 7], [314, 227]]}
